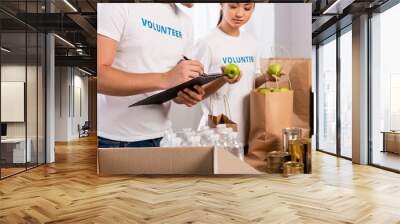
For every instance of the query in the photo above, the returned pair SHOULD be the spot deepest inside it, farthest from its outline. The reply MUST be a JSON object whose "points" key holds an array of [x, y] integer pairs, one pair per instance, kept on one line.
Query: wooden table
{"points": [[391, 141]]}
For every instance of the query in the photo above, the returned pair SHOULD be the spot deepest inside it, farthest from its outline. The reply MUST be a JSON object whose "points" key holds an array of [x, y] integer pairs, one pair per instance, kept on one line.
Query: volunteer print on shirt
{"points": [[238, 59], [161, 28]]}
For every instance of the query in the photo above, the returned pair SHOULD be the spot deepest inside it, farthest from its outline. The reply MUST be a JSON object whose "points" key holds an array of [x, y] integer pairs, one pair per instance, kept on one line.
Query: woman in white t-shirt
{"points": [[139, 52], [224, 45]]}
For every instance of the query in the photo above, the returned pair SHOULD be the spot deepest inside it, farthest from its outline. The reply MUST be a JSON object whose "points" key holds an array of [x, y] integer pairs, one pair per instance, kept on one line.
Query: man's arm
{"points": [[115, 82]]}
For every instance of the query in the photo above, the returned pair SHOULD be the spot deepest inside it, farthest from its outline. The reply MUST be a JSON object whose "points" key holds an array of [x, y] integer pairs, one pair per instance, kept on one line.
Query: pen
{"points": [[186, 58]]}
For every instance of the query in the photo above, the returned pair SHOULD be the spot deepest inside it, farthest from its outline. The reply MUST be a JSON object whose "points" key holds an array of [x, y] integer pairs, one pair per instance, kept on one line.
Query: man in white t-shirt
{"points": [[140, 47]]}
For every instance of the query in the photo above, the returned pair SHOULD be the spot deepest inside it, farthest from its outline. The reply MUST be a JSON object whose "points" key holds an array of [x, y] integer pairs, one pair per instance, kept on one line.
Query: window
{"points": [[22, 77], [385, 89], [333, 137], [346, 94], [327, 97]]}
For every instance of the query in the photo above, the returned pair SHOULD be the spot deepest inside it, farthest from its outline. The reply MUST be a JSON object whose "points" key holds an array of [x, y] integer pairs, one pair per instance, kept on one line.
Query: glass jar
{"points": [[214, 140], [206, 137], [290, 134], [236, 147]]}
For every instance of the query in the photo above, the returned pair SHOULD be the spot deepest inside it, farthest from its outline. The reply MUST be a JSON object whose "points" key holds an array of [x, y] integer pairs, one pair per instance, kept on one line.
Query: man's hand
{"points": [[189, 97], [184, 71]]}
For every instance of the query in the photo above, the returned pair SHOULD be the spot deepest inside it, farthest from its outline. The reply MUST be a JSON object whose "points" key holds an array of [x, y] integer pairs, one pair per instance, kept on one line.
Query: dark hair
{"points": [[220, 17]]}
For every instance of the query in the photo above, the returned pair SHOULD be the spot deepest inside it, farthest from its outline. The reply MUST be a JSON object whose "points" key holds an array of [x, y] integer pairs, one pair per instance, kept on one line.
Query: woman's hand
{"points": [[274, 78], [260, 80], [231, 80]]}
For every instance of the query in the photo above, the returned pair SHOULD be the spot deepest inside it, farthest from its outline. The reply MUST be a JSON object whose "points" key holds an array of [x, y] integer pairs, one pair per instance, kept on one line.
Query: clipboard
{"points": [[171, 93]]}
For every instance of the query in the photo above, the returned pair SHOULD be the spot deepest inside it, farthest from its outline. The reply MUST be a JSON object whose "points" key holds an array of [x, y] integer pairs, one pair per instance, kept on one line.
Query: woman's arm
{"points": [[213, 86], [265, 78], [261, 79], [115, 82]]}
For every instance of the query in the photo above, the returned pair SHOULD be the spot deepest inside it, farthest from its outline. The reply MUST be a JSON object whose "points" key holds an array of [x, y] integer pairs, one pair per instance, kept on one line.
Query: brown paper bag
{"points": [[214, 120], [269, 114], [298, 70]]}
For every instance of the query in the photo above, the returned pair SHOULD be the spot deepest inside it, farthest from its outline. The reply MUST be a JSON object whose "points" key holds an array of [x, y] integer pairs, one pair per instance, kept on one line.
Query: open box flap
{"points": [[226, 163]]}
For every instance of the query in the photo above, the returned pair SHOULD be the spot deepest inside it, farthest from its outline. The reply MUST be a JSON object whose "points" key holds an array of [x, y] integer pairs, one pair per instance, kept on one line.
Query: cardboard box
{"points": [[188, 161]]}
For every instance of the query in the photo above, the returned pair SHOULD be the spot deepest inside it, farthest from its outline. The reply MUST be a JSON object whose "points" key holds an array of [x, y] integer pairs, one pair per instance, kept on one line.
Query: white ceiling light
{"points": [[5, 50], [65, 41], [84, 71], [337, 7], [70, 5]]}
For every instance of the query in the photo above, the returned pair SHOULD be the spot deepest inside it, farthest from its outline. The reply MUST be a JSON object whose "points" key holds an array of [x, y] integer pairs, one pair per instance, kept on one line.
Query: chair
{"points": [[84, 130]]}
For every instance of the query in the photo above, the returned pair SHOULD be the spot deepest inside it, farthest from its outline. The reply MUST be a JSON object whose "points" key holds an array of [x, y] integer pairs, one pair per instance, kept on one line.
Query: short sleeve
{"points": [[202, 53], [189, 43], [258, 65], [111, 19]]}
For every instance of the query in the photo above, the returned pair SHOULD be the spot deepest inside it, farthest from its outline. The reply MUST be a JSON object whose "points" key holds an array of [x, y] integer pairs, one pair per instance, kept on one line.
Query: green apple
{"points": [[284, 90], [274, 69], [264, 90], [275, 90], [232, 70]]}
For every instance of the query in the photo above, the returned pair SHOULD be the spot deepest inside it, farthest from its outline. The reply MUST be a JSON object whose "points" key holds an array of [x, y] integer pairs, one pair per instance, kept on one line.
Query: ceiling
{"points": [[332, 15], [75, 21]]}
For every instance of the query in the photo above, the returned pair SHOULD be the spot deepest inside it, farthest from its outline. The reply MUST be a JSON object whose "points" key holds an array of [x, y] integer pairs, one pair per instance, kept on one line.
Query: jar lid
{"points": [[291, 130], [277, 154], [293, 164]]}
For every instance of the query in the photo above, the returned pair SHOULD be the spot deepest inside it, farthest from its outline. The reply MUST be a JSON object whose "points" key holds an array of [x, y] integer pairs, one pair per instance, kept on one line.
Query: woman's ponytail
{"points": [[220, 17]]}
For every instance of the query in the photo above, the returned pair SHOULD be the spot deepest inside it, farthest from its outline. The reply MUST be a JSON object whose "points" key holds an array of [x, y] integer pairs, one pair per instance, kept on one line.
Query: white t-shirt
{"points": [[218, 49], [152, 38]]}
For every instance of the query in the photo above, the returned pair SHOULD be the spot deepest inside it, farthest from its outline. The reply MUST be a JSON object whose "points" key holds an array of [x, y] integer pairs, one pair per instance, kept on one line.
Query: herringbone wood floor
{"points": [[69, 191]]}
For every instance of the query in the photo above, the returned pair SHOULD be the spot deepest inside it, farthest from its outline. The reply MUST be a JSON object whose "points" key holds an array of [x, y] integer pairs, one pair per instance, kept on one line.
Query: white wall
{"points": [[61, 103], [67, 115], [262, 26], [14, 73], [80, 83], [17, 73], [282, 30]]}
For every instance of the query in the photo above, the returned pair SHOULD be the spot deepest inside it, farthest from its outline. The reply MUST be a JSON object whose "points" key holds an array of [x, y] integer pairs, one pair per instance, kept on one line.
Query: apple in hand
{"points": [[274, 70], [232, 71]]}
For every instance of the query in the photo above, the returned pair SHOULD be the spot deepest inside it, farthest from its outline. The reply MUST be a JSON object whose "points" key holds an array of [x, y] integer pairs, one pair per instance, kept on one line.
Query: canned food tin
{"points": [[292, 168], [275, 160]]}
